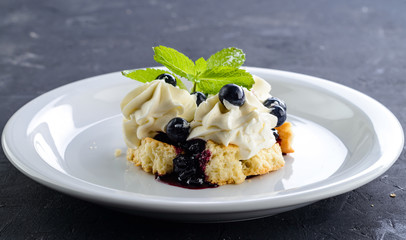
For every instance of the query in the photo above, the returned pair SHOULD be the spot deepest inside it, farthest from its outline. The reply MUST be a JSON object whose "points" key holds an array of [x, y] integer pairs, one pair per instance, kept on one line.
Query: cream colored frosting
{"points": [[261, 89], [249, 126], [148, 109]]}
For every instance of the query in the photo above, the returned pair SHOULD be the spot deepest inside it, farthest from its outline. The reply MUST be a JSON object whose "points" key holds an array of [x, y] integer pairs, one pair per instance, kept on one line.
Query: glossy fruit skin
{"points": [[187, 171], [272, 101], [178, 130], [194, 146], [280, 113], [234, 94], [200, 97], [168, 78], [163, 137]]}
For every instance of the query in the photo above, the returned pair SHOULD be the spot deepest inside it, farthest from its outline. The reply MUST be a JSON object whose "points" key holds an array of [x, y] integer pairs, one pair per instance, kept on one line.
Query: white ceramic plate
{"points": [[66, 138]]}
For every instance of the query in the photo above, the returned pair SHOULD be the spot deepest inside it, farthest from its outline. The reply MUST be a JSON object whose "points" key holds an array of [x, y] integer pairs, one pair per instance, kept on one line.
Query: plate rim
{"points": [[162, 204]]}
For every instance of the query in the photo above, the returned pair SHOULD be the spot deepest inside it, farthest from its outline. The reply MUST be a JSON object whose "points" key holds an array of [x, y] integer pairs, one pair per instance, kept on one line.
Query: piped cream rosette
{"points": [[148, 109], [249, 127]]}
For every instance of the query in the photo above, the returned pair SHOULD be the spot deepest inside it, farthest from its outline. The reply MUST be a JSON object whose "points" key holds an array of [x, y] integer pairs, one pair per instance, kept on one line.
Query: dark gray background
{"points": [[46, 44]]}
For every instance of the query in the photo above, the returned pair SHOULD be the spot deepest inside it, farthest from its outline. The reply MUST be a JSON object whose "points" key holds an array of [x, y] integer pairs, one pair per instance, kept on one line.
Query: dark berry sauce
{"points": [[172, 180], [189, 165], [204, 158], [178, 150]]}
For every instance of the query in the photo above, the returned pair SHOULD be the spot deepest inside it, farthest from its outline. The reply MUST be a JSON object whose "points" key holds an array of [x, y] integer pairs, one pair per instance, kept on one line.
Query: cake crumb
{"points": [[117, 152], [392, 195]]}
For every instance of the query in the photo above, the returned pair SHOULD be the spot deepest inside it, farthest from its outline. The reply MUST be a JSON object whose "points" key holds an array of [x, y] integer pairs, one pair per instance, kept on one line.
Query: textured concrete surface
{"points": [[46, 44]]}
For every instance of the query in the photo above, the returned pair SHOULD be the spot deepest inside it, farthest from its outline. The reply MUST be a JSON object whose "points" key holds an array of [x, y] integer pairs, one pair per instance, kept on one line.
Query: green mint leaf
{"points": [[143, 75], [208, 76], [149, 75], [212, 80], [200, 65], [229, 57], [175, 61]]}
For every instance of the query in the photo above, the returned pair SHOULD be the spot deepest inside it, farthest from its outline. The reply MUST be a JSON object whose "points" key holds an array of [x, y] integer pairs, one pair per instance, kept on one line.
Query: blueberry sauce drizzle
{"points": [[170, 179]]}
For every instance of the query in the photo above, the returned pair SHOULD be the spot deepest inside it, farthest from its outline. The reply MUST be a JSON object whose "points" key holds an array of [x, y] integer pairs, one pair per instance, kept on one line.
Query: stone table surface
{"points": [[46, 44]]}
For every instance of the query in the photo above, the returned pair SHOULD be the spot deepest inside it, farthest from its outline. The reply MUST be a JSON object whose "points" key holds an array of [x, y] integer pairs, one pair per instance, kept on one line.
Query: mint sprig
{"points": [[175, 61], [207, 76], [228, 57], [144, 75], [212, 80], [149, 75], [200, 65]]}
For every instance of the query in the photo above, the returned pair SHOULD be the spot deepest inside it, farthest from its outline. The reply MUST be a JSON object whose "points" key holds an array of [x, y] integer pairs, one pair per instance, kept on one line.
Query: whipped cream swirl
{"points": [[261, 89], [148, 109], [249, 126]]}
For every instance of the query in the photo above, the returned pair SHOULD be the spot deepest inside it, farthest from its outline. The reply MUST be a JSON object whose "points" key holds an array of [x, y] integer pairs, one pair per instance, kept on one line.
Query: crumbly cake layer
{"points": [[153, 156], [226, 167]]}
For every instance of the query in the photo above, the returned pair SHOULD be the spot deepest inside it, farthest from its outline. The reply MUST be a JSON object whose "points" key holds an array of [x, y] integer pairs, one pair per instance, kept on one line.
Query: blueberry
{"points": [[272, 101], [200, 97], [163, 137], [234, 94], [185, 168], [178, 129], [275, 133], [168, 78], [280, 113], [188, 170], [180, 162], [194, 146]]}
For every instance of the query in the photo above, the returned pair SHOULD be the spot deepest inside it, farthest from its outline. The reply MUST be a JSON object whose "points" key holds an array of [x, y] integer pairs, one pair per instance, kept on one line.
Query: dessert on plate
{"points": [[227, 129]]}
